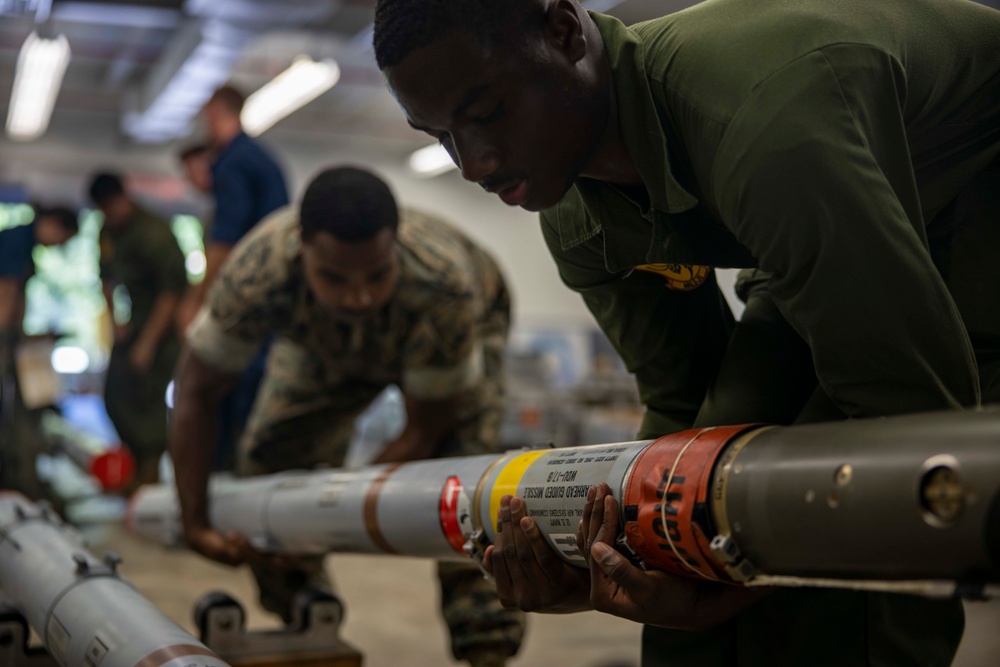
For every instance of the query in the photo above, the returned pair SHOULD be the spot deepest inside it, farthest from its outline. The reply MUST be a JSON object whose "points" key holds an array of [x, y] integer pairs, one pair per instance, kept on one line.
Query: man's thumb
{"points": [[614, 566]]}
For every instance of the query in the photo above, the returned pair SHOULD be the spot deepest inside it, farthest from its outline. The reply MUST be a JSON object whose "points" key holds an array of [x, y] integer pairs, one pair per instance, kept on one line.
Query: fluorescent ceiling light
{"points": [[40, 68], [431, 161], [294, 88]]}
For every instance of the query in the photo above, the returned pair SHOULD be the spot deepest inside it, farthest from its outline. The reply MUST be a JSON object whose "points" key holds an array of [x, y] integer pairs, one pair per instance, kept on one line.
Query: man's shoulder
{"points": [[436, 256]]}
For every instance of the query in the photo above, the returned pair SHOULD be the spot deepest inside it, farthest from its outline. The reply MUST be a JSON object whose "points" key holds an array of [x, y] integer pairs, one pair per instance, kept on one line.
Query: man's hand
{"points": [[655, 598], [141, 356], [229, 549], [529, 574]]}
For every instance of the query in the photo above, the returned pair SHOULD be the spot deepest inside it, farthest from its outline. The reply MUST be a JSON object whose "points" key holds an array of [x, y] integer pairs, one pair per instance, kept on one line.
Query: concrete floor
{"points": [[392, 611]]}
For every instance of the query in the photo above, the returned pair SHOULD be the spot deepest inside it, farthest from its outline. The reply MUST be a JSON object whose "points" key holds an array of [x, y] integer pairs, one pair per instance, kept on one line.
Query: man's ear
{"points": [[564, 29]]}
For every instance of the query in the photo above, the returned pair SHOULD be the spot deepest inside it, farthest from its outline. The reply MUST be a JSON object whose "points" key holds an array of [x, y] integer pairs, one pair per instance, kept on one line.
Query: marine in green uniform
{"points": [[848, 150], [140, 254], [358, 297]]}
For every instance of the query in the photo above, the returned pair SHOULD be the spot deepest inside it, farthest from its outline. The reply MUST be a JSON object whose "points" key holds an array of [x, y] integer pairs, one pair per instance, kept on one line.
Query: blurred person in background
{"points": [[247, 184], [139, 252], [358, 296], [51, 227], [18, 445], [244, 179]]}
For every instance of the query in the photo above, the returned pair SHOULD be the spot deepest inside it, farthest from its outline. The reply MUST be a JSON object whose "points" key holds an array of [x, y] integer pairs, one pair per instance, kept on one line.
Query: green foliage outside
{"points": [[64, 296]]}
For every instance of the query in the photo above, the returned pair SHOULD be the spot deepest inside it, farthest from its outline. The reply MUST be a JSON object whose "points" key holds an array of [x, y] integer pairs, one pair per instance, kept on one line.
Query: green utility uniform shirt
{"points": [[825, 143], [816, 140], [143, 257]]}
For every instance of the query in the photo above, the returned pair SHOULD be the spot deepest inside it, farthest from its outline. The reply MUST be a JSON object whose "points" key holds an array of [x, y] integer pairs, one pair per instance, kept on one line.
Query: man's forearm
{"points": [[193, 430], [411, 445], [428, 423], [161, 319], [215, 257]]}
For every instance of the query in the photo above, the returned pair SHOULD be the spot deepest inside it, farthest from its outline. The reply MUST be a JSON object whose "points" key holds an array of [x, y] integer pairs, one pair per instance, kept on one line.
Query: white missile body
{"points": [[902, 504], [86, 614]]}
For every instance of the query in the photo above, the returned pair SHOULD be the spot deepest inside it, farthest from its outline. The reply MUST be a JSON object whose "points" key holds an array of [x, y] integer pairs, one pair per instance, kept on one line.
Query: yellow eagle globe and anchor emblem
{"points": [[681, 277]]}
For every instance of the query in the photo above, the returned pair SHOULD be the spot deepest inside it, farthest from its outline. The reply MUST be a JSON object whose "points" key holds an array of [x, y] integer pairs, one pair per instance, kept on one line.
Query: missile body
{"points": [[909, 504], [112, 466], [86, 614]]}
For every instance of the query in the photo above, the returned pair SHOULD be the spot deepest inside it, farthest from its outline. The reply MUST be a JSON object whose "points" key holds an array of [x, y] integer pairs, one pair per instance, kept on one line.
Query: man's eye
{"points": [[491, 116]]}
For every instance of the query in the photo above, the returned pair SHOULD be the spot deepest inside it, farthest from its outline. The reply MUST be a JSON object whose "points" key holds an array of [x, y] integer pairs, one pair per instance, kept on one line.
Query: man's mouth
{"points": [[514, 194]]}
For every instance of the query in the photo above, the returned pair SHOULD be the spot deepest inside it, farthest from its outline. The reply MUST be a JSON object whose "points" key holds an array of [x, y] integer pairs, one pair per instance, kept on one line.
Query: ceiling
{"points": [[126, 52]]}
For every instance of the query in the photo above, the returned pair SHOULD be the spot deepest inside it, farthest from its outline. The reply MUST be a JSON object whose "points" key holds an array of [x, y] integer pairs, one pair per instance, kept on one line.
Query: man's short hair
{"points": [[348, 203], [193, 151], [105, 186], [64, 215], [404, 26], [229, 97]]}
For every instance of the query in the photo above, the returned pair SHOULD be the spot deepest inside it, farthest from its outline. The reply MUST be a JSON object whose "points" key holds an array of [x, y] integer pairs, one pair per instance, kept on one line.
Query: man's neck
{"points": [[227, 134], [611, 161]]}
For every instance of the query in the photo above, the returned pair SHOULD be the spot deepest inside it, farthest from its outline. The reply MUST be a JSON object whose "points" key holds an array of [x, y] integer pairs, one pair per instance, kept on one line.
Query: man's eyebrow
{"points": [[467, 101]]}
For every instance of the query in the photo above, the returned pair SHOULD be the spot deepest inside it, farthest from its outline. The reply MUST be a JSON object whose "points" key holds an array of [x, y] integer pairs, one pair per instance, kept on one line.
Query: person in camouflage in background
{"points": [[358, 298]]}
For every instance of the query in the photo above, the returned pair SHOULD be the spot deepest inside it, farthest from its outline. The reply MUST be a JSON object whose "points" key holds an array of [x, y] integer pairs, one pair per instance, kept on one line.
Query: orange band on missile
{"points": [[668, 491]]}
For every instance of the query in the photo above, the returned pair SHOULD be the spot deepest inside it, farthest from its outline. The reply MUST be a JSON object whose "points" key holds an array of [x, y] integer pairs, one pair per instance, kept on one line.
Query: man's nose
{"points": [[358, 298], [476, 160]]}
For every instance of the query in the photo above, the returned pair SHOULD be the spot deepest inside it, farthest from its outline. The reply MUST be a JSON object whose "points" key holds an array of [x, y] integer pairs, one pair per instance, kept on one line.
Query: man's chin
{"points": [[542, 198], [351, 317]]}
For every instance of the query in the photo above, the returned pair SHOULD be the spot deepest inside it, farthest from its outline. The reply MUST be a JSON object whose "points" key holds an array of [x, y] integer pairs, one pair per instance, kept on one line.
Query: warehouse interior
{"points": [[131, 86]]}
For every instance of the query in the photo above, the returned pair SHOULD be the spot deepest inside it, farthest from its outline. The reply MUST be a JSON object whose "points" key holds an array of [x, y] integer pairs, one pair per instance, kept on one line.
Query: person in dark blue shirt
{"points": [[19, 446], [51, 227], [247, 185]]}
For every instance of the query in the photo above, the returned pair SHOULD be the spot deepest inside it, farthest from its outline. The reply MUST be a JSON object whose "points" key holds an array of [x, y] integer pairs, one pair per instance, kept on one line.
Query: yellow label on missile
{"points": [[508, 479]]}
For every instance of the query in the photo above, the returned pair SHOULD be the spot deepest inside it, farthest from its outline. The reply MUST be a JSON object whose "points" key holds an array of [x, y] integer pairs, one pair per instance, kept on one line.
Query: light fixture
{"points": [[431, 161], [294, 88], [40, 68]]}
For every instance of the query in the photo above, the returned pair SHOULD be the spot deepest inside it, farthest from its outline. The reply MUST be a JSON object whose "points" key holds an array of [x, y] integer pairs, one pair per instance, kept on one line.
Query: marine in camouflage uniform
{"points": [[441, 334]]}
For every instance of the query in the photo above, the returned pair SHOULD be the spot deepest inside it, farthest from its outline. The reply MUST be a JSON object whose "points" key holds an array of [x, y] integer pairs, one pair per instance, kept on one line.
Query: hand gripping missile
{"points": [[86, 614], [908, 504]]}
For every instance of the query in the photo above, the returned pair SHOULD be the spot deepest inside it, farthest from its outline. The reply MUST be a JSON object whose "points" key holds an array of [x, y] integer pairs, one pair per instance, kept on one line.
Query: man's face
{"points": [[117, 211], [352, 280], [198, 170], [213, 115], [523, 121], [50, 232]]}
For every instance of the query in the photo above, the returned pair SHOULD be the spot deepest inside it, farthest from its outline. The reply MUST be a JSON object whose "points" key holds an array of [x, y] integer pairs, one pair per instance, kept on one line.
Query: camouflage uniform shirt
{"points": [[442, 334]]}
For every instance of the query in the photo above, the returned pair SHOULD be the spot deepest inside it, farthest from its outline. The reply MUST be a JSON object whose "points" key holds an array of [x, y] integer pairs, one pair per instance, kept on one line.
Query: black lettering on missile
{"points": [[533, 491], [670, 532]]}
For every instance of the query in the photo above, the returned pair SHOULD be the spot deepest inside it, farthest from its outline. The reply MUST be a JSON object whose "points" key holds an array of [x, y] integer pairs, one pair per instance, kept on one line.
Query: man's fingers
{"points": [[607, 532], [602, 490], [520, 556], [540, 549], [488, 560]]}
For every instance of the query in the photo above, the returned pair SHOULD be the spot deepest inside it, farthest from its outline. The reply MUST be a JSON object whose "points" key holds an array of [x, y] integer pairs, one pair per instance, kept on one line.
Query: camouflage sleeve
{"points": [[249, 299], [444, 354]]}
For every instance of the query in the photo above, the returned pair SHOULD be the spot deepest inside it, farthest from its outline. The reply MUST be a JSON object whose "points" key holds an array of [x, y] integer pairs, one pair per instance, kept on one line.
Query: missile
{"points": [[905, 504], [86, 614], [111, 465]]}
